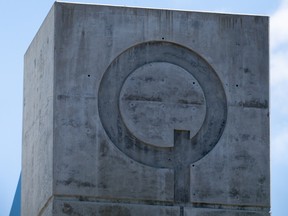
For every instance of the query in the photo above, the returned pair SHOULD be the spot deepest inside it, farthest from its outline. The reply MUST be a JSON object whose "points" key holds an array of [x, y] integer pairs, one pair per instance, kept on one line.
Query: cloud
{"points": [[279, 64], [279, 84], [279, 44], [280, 148], [279, 26]]}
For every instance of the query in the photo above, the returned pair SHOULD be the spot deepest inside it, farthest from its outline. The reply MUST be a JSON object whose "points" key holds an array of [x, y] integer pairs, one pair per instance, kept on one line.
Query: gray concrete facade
{"points": [[132, 111]]}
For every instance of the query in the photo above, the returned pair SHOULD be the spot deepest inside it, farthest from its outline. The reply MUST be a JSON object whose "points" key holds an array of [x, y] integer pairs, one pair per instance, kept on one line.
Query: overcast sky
{"points": [[19, 22]]}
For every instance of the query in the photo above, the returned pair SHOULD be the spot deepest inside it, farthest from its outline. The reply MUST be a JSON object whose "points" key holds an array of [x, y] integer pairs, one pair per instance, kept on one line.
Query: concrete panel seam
{"points": [[231, 207], [50, 200], [211, 206], [111, 200]]}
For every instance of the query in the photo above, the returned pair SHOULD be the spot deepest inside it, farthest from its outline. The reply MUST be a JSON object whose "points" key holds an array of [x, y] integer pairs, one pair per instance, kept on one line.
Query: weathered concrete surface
{"points": [[37, 147], [221, 212], [151, 112], [66, 207]]}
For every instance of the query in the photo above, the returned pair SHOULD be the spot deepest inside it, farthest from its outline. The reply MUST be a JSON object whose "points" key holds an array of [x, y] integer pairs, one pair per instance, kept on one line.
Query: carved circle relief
{"points": [[162, 104], [158, 98]]}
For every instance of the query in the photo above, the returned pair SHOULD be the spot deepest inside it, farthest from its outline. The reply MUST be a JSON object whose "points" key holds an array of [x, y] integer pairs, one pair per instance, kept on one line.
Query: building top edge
{"points": [[170, 9]]}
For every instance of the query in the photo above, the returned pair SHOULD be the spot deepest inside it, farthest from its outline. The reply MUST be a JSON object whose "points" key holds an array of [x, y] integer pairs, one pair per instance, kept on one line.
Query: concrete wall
{"points": [[147, 112], [37, 145]]}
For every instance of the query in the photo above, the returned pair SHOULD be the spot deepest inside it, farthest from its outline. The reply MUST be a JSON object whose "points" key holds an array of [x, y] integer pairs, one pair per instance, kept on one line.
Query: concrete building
{"points": [[132, 111]]}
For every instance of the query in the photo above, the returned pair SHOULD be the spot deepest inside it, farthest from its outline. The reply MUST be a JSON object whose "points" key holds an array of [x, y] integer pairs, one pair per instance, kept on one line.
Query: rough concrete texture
{"points": [[37, 147], [131, 111], [221, 212], [66, 207]]}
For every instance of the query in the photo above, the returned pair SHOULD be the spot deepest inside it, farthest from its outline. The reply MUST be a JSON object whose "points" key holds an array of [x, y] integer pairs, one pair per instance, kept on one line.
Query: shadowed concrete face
{"points": [[131, 111]]}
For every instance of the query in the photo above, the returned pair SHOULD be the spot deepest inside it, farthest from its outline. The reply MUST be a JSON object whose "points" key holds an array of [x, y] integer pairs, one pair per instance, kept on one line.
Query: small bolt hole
{"points": [[163, 38], [237, 85], [88, 75]]}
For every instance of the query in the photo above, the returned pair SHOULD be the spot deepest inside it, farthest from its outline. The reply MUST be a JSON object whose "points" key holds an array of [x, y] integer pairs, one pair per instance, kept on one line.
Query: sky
{"points": [[19, 22]]}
